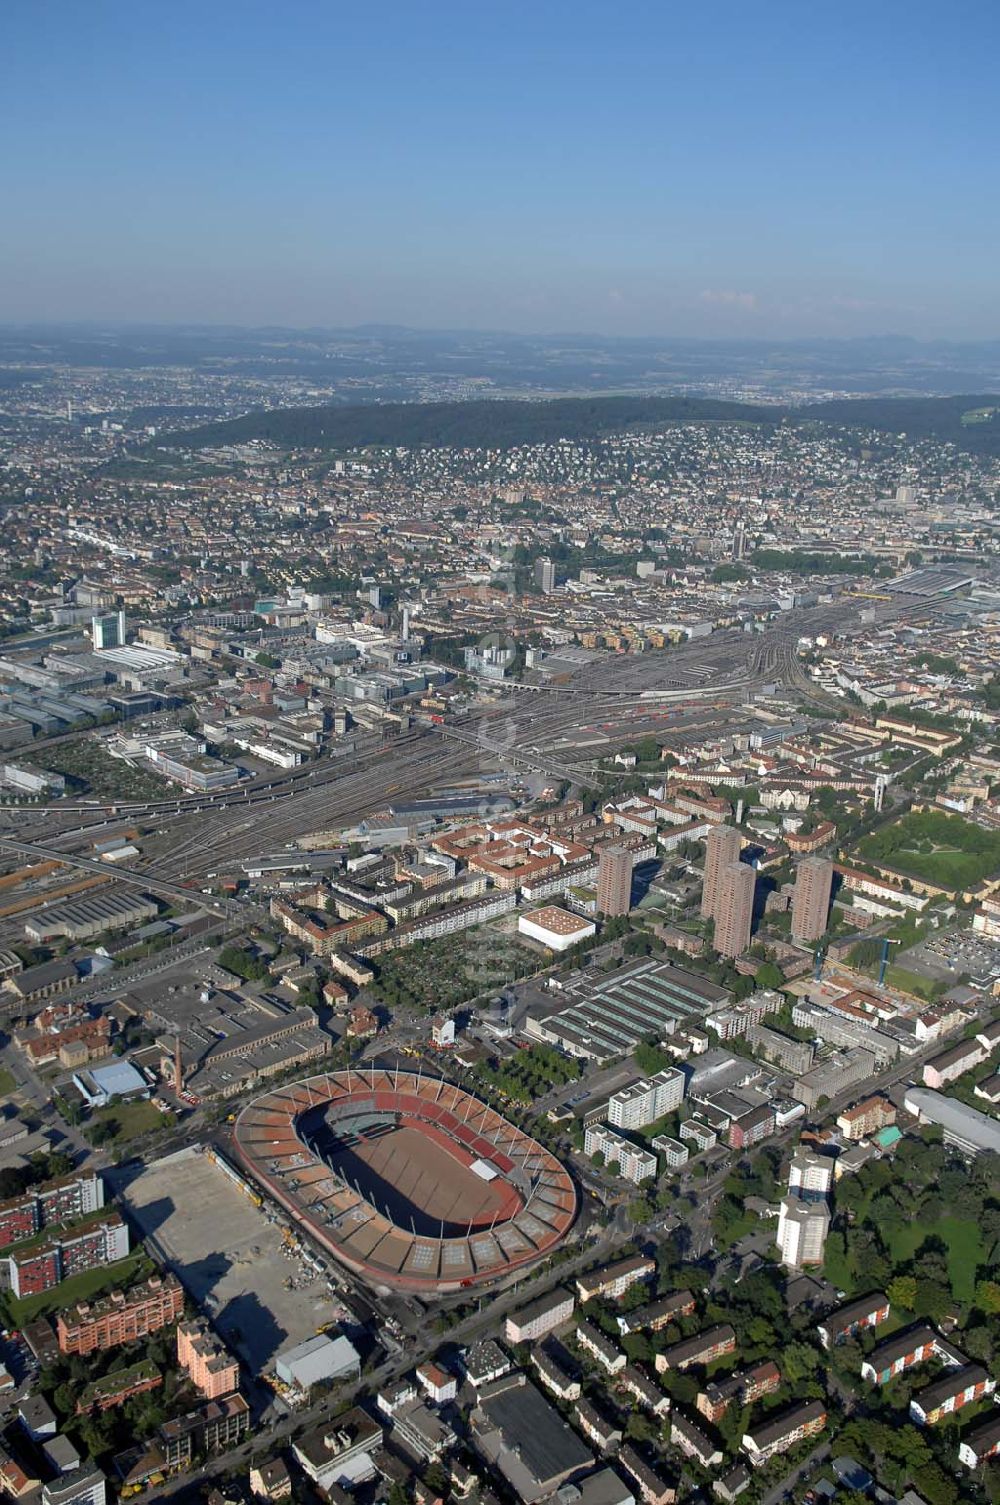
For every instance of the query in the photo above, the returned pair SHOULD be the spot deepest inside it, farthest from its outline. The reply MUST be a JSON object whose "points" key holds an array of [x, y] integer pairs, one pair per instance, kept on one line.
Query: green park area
{"points": [[7, 1082], [121, 1122], [921, 1222], [938, 848]]}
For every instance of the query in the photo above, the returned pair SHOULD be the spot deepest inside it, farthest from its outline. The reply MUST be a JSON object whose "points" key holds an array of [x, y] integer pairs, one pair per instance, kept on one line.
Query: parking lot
{"points": [[230, 1255], [947, 957]]}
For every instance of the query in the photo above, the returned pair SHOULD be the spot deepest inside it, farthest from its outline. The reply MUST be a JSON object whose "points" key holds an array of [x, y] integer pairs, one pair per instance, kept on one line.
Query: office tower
{"points": [[108, 632], [405, 634], [811, 899], [906, 496], [375, 596], [722, 847], [614, 881], [545, 575], [739, 542], [734, 908]]}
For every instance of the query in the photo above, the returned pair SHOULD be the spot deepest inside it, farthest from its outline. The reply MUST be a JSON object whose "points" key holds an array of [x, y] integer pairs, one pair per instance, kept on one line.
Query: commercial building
{"points": [[117, 1082], [722, 848], [834, 1076], [318, 1359], [966, 1128], [212, 1368], [121, 1316], [609, 1015], [87, 918], [811, 898], [83, 1486], [784, 1431], [734, 896], [520, 1434], [540, 1317], [752, 1127], [545, 575], [614, 881], [647, 1100], [108, 631], [339, 1452], [37, 1267], [555, 928], [795, 1056]]}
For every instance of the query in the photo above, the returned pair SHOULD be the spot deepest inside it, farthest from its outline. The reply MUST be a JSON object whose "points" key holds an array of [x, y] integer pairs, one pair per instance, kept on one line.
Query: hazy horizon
{"points": [[624, 172]]}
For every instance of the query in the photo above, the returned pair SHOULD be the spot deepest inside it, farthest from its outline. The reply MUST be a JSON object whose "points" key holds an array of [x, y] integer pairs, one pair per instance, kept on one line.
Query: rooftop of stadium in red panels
{"points": [[408, 1180]]}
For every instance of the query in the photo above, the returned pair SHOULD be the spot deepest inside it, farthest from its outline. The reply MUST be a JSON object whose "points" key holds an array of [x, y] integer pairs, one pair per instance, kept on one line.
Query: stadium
{"points": [[408, 1180]]}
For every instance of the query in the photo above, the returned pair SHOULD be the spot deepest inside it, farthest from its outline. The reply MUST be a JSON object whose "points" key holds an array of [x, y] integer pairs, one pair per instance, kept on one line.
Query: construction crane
{"points": [[883, 964]]}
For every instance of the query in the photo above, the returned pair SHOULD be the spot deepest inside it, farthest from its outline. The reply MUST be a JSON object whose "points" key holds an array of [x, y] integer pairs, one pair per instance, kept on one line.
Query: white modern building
{"points": [[802, 1231], [631, 1161], [555, 928], [646, 1101]]}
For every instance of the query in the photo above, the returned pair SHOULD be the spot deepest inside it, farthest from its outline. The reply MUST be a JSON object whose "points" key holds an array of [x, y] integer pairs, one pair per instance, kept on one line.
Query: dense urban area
{"points": [[499, 932]]}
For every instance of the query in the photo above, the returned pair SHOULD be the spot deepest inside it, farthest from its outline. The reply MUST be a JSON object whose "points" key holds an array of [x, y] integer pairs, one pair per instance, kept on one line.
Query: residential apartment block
{"points": [[764, 1442], [612, 1281], [60, 1201], [701, 1349], [647, 1100], [213, 1369], [100, 1241], [121, 1316], [858, 1316], [540, 1317]]}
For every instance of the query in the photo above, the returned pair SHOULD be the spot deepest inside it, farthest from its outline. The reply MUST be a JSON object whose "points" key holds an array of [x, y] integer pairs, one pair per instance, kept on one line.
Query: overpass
{"points": [[224, 909], [517, 757]]}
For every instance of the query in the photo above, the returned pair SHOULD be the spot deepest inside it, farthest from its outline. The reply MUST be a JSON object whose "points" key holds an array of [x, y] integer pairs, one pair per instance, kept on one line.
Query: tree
{"points": [[902, 1291], [988, 1297]]}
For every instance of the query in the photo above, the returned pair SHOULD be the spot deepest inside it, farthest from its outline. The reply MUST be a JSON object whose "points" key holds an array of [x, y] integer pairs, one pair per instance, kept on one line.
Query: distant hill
{"points": [[499, 424], [972, 423]]}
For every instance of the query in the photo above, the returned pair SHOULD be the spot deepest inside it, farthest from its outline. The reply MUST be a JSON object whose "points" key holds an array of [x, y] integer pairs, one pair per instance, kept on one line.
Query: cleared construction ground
{"points": [[230, 1256]]}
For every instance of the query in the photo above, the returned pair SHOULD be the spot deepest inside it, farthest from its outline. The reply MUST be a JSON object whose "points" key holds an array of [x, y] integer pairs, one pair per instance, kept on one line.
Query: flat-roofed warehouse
{"points": [[966, 1128], [609, 1016], [526, 1439], [89, 917]]}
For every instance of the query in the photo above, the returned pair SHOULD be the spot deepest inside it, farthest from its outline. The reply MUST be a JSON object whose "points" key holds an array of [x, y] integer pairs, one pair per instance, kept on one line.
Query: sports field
{"points": [[414, 1177]]}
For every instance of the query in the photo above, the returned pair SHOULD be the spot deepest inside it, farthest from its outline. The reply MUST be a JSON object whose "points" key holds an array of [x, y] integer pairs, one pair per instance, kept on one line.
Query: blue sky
{"points": [[768, 168]]}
